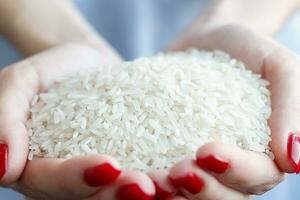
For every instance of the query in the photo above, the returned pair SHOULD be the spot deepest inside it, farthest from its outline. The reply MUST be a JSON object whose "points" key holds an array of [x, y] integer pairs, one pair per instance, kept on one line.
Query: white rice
{"points": [[152, 112]]}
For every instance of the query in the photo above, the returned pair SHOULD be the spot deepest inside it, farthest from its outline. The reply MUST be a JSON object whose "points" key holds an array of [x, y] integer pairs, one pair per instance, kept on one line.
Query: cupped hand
{"points": [[225, 172], [85, 177]]}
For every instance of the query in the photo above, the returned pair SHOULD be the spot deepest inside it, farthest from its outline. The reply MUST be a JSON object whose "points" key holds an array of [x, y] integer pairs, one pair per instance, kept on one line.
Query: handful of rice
{"points": [[152, 112]]}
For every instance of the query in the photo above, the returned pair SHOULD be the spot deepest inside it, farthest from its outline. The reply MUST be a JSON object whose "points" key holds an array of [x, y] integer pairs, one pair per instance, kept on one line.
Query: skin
{"points": [[281, 68], [57, 179], [50, 178]]}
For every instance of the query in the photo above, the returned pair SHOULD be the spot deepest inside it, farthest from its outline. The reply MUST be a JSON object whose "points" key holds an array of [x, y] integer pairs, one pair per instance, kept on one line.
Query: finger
{"points": [[13, 149], [163, 187], [13, 134], [283, 71], [195, 183], [18, 84], [14, 105], [277, 65], [232, 166], [130, 185], [75, 178]]}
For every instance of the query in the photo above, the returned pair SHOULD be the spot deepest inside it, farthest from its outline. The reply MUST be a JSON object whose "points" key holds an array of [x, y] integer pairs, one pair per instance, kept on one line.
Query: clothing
{"points": [[143, 27]]}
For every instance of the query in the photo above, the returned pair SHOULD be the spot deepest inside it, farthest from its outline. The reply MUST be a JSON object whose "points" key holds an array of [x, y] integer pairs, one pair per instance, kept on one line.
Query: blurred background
{"points": [[141, 28]]}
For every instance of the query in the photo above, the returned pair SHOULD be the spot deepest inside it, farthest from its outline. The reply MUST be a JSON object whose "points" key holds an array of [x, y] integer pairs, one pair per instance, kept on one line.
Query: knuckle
{"points": [[28, 190], [265, 187], [241, 180], [280, 61], [211, 148], [19, 75], [66, 190], [12, 75], [12, 71]]}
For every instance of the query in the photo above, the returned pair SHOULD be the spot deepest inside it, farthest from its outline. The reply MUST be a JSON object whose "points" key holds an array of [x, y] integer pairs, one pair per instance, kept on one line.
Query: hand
{"points": [[248, 172], [85, 177]]}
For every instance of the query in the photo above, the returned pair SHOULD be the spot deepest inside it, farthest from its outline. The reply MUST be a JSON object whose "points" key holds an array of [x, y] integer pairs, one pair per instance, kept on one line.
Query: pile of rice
{"points": [[152, 112]]}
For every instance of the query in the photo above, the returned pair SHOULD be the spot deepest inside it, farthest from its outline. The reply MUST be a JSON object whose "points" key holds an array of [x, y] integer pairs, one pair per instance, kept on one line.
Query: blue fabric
{"points": [[141, 28]]}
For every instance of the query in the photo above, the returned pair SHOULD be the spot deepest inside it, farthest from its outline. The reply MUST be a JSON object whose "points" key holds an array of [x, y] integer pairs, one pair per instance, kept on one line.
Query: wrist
{"points": [[264, 17], [214, 37], [54, 23]]}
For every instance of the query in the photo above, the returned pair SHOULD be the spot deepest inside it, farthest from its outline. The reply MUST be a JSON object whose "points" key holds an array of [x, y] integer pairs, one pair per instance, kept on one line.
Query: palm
{"points": [[281, 68], [44, 178], [56, 178]]}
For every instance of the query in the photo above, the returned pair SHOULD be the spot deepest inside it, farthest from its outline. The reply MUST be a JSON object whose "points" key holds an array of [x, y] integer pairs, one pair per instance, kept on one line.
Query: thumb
{"points": [[282, 69], [13, 149], [285, 142]]}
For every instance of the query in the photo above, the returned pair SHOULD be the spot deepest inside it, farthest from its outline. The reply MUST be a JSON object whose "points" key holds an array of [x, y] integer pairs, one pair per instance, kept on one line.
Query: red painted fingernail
{"points": [[101, 175], [132, 192], [213, 163], [191, 182], [162, 194], [293, 151], [3, 159]]}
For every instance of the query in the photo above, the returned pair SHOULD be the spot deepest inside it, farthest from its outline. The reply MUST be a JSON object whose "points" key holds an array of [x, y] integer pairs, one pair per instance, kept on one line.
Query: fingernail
{"points": [[132, 192], [101, 175], [3, 159], [191, 182], [293, 151], [162, 194], [213, 163]]}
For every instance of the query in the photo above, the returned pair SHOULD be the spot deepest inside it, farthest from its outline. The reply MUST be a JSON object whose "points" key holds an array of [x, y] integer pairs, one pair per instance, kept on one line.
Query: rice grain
{"points": [[152, 112]]}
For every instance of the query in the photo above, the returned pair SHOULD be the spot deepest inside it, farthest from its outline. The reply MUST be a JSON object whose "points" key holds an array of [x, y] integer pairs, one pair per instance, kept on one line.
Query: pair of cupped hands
{"points": [[218, 172]]}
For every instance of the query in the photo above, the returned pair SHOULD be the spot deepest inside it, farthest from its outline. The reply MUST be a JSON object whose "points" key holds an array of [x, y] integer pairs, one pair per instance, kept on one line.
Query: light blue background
{"points": [[141, 28]]}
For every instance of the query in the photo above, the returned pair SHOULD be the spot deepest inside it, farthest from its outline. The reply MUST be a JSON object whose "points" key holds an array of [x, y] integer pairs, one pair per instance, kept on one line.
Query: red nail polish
{"points": [[3, 159], [162, 194], [101, 175], [132, 192], [293, 151], [213, 163], [191, 182]]}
